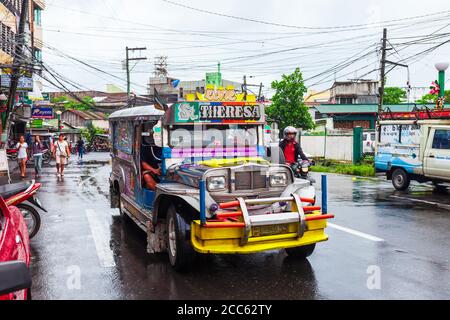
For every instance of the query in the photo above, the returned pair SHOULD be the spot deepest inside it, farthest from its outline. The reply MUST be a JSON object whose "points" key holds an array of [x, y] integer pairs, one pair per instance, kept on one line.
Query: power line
{"points": [[301, 27]]}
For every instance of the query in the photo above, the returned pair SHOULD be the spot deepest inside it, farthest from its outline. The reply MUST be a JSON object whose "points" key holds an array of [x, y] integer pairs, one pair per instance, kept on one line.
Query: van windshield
{"points": [[213, 136]]}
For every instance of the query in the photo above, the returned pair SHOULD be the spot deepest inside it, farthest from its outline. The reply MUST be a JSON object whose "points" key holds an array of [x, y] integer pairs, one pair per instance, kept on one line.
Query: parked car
{"points": [[15, 281]]}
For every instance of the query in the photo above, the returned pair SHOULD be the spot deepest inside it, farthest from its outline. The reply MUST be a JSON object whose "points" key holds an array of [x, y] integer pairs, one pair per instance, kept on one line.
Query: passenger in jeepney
{"points": [[150, 159]]}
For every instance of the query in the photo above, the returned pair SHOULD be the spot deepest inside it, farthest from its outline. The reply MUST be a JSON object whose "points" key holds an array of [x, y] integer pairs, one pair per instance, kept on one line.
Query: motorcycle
{"points": [[301, 170], [12, 154], [21, 195]]}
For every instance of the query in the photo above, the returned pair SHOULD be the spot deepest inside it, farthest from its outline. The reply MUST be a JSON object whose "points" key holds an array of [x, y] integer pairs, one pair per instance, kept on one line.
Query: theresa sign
{"points": [[211, 112], [189, 112], [42, 113]]}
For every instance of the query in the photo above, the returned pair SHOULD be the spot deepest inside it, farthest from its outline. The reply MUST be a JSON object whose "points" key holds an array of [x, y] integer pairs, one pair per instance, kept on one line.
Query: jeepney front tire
{"points": [[179, 248], [400, 179], [301, 252]]}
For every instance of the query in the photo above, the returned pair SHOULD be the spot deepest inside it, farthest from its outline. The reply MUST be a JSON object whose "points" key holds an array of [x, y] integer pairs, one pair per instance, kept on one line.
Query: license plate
{"points": [[270, 230]]}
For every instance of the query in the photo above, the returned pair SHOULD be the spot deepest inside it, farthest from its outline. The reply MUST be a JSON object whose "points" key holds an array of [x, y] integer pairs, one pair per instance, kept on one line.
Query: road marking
{"points": [[356, 233], [437, 204], [101, 237]]}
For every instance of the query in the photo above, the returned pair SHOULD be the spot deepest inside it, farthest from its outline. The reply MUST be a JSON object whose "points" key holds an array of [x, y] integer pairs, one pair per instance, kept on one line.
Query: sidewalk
{"points": [[89, 159]]}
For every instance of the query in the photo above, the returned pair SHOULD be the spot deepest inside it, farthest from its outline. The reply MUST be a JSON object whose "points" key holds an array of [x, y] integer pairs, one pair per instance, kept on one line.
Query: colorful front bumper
{"points": [[228, 240]]}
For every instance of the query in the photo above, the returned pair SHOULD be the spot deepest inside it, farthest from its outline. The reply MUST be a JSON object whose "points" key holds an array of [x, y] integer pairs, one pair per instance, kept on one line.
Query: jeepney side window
{"points": [[123, 137], [151, 152]]}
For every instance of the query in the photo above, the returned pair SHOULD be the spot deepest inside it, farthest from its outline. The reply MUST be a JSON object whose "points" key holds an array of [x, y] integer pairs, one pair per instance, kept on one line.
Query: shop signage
{"points": [[37, 123], [24, 84], [42, 113]]}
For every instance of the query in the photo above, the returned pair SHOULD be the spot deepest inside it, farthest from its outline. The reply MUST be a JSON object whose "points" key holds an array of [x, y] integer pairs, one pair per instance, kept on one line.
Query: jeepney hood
{"points": [[191, 173]]}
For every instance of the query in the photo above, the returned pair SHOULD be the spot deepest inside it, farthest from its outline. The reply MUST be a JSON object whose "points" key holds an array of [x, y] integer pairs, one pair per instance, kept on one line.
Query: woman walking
{"points": [[62, 153], [22, 156], [38, 152]]}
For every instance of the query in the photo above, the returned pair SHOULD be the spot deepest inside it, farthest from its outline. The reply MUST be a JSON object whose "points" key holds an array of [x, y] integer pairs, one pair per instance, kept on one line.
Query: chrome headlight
{"points": [[216, 183], [279, 179]]}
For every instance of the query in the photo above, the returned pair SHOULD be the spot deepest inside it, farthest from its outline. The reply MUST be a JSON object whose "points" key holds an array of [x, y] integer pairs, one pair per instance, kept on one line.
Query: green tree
{"points": [[288, 107], [72, 104], [432, 98], [90, 131], [394, 95]]}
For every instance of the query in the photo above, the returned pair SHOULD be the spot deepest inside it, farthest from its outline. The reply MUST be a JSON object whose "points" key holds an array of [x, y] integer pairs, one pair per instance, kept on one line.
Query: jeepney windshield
{"points": [[213, 136]]}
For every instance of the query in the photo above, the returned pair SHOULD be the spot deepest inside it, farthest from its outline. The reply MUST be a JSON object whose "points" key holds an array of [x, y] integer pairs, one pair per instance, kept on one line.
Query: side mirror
{"points": [[14, 276]]}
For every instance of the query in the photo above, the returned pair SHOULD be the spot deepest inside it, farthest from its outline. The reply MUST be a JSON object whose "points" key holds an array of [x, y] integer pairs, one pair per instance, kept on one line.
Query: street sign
{"points": [[42, 113]]}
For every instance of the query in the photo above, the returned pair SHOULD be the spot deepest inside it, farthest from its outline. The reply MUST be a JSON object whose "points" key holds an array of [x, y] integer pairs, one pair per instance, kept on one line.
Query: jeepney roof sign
{"points": [[217, 113]]}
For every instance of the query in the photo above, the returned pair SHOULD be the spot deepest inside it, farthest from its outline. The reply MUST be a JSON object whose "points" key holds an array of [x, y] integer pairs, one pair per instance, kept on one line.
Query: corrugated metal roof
{"points": [[365, 108], [90, 115], [149, 110]]}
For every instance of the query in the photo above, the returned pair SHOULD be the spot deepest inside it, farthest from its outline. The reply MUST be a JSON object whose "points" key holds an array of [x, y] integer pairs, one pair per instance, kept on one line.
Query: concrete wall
{"points": [[332, 147], [103, 124]]}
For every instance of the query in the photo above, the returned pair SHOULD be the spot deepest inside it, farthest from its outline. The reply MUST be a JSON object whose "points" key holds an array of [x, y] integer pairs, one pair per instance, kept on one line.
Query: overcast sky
{"points": [[312, 35]]}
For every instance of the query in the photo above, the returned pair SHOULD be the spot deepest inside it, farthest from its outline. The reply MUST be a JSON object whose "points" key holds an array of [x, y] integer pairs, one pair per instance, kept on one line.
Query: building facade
{"points": [[10, 13], [354, 92], [81, 119]]}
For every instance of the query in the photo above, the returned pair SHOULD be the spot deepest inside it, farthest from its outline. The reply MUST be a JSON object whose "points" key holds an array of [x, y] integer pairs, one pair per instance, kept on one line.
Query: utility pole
{"points": [[15, 75], [383, 71], [260, 91], [127, 65], [244, 87]]}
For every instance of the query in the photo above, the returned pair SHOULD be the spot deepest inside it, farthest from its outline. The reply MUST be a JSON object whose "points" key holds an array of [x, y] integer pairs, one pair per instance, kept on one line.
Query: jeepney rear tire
{"points": [[301, 252], [400, 179], [179, 248]]}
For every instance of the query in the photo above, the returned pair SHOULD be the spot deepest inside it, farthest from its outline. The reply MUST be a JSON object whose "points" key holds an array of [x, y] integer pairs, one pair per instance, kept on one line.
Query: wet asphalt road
{"points": [[84, 251]]}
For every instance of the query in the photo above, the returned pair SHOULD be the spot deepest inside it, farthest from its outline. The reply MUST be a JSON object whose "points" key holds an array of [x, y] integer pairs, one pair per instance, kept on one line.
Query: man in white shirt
{"points": [[62, 153]]}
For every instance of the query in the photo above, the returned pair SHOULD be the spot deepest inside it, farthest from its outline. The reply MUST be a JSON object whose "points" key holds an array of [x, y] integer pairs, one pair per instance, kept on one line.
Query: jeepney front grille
{"points": [[250, 180]]}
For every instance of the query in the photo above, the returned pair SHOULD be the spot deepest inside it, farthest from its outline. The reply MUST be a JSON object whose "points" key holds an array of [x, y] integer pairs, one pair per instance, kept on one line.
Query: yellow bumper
{"points": [[227, 240]]}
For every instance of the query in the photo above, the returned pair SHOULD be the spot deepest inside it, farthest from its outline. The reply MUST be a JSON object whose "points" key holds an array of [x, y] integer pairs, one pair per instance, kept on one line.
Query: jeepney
{"points": [[217, 193]]}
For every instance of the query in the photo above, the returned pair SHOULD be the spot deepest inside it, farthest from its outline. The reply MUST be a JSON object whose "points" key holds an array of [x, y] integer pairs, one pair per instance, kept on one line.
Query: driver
{"points": [[291, 148]]}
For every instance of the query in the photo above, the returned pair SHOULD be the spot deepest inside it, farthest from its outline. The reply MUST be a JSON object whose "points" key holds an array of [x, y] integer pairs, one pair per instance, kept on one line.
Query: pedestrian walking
{"points": [[80, 149], [22, 155], [38, 152], [62, 154]]}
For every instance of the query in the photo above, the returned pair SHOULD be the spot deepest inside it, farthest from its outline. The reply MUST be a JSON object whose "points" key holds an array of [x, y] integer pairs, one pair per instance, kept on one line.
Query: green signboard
{"points": [[37, 123], [190, 112], [214, 78]]}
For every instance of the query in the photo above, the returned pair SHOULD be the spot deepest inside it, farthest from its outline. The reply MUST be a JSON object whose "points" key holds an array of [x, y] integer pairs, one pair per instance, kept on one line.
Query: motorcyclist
{"points": [[290, 147]]}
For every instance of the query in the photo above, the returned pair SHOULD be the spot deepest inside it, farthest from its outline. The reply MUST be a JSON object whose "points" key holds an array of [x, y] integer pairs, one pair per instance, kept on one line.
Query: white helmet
{"points": [[289, 130]]}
